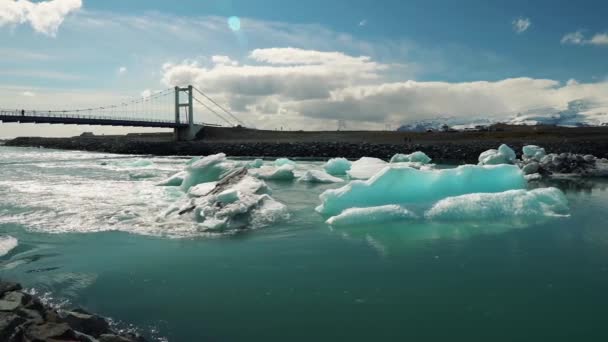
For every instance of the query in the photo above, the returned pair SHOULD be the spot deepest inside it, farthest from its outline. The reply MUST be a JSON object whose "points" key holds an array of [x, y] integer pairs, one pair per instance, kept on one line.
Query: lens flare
{"points": [[234, 23]]}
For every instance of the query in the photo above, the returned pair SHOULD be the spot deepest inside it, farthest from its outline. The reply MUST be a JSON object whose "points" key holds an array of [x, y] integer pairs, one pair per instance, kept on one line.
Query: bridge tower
{"points": [[187, 130]]}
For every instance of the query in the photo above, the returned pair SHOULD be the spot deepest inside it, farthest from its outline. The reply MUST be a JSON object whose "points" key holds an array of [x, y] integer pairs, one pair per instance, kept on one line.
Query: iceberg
{"points": [[175, 180], [283, 161], [207, 169], [202, 189], [317, 176], [337, 166], [401, 184], [533, 152], [504, 155], [385, 213], [255, 164], [416, 157], [235, 202], [366, 167], [282, 173], [513, 204], [7, 244]]}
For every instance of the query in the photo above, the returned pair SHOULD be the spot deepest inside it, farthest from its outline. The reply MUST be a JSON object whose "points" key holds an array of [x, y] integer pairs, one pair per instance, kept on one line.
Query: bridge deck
{"points": [[83, 120]]}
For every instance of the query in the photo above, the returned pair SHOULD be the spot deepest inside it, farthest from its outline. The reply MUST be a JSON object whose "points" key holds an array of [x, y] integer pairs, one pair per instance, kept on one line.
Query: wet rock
{"points": [[50, 332], [11, 301], [9, 322], [87, 323], [8, 287]]}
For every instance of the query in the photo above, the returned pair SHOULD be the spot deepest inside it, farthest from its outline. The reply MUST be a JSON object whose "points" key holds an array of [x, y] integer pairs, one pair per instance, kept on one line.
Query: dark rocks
{"points": [[23, 318]]}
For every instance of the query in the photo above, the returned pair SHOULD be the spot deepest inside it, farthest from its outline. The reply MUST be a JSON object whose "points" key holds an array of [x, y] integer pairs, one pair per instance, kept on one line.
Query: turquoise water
{"points": [[88, 236]]}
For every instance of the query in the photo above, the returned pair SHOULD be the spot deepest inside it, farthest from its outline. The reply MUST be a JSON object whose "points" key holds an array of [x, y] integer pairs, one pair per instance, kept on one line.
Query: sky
{"points": [[306, 64]]}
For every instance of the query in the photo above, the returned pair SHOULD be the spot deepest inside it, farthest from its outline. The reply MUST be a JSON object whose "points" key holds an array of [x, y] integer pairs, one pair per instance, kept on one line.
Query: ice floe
{"points": [[337, 166], [416, 157], [208, 169], [504, 155], [318, 176], [281, 173], [513, 204], [366, 167], [175, 180], [399, 184], [283, 161]]}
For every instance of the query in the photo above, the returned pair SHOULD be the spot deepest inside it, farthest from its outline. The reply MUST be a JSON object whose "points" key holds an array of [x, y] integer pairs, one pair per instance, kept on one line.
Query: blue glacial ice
{"points": [[416, 157], [356, 216], [208, 169], [175, 180], [504, 155], [401, 184], [337, 166], [513, 204], [283, 161], [255, 164], [533, 152], [318, 176]]}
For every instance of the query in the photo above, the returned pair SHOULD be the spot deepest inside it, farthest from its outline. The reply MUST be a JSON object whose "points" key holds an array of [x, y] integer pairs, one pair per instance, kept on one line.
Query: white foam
{"points": [[7, 244]]}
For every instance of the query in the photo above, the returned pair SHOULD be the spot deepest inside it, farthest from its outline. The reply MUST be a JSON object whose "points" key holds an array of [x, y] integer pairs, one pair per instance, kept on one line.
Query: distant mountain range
{"points": [[579, 113]]}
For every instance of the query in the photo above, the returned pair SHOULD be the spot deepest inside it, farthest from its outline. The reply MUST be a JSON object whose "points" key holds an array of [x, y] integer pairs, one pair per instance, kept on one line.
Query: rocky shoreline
{"points": [[461, 151], [24, 318]]}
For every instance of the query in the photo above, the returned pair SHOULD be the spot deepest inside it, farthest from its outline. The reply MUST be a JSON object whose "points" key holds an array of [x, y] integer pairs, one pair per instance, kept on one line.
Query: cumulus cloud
{"points": [[289, 72], [578, 38], [299, 85], [44, 17], [122, 70], [28, 94], [521, 25]]}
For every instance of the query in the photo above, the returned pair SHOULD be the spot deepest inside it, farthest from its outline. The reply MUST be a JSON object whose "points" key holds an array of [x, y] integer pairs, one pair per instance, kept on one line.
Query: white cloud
{"points": [[122, 70], [363, 22], [223, 60], [44, 17], [521, 25], [313, 88], [146, 93], [28, 94], [578, 38]]}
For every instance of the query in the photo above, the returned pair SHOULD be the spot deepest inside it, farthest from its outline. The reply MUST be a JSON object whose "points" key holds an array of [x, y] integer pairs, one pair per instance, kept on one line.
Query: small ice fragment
{"points": [[282, 173], [255, 164], [283, 161], [416, 157], [385, 213], [175, 180], [207, 169], [317, 176], [337, 166], [533, 152], [228, 196], [504, 155], [537, 203]]}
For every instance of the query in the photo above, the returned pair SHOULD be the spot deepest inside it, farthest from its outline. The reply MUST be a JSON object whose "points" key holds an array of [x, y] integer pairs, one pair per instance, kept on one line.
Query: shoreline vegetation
{"points": [[24, 317], [442, 147]]}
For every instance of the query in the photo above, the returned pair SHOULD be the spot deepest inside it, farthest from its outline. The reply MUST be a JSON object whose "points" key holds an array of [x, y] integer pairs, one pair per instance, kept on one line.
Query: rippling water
{"points": [[81, 228]]}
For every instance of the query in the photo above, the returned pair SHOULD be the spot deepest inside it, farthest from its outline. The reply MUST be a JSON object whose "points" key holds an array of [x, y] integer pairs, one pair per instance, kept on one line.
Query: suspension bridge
{"points": [[171, 108]]}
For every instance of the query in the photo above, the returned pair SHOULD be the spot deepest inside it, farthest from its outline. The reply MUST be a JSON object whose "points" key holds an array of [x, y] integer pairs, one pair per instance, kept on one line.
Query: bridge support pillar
{"points": [[187, 133]]}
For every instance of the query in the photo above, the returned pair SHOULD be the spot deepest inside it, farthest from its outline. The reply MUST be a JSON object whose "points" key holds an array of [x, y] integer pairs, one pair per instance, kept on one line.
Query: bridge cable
{"points": [[222, 108], [213, 111]]}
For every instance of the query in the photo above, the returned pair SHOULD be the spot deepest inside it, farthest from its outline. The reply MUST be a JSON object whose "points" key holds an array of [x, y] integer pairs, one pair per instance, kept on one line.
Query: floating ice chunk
{"points": [[282, 173], [283, 161], [416, 157], [504, 155], [533, 177], [317, 176], [337, 166], [255, 164], [366, 167], [175, 180], [207, 169], [7, 244], [202, 189], [530, 168], [537, 203], [399, 184], [533, 152], [385, 213]]}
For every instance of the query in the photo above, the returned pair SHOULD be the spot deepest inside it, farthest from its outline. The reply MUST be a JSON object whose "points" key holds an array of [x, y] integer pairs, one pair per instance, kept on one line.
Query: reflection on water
{"points": [[572, 184]]}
